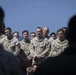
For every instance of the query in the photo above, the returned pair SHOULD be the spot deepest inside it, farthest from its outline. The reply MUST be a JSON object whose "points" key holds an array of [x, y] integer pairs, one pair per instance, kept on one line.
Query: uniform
{"points": [[1, 36], [51, 40], [39, 47], [58, 47], [12, 45], [25, 47], [24, 53]]}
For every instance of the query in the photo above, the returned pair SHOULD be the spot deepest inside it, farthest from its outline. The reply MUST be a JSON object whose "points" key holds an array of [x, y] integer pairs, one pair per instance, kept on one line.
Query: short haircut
{"points": [[60, 30], [8, 28], [39, 28], [25, 31], [53, 33], [2, 14], [65, 28], [16, 32], [33, 33]]}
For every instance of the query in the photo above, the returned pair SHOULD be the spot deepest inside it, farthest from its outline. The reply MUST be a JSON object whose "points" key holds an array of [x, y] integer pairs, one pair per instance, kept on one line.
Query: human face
{"points": [[32, 36], [45, 31], [60, 35], [39, 32], [25, 35], [53, 36], [7, 32], [16, 35]]}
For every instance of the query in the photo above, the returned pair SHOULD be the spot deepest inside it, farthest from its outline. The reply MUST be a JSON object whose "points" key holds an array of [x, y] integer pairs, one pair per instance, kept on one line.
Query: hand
{"points": [[34, 68], [38, 56]]}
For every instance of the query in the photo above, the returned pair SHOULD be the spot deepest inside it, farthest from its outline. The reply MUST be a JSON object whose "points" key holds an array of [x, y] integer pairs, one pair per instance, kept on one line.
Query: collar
{"points": [[39, 40], [61, 42]]}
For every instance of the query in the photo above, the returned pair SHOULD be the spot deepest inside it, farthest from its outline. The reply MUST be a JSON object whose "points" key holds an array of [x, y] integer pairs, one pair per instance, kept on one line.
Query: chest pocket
{"points": [[6, 44], [42, 45], [57, 46]]}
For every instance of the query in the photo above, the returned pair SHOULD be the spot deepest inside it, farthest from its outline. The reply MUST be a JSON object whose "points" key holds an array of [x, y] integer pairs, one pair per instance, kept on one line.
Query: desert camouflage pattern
{"points": [[1, 36], [39, 47], [25, 47], [12, 45], [57, 47]]}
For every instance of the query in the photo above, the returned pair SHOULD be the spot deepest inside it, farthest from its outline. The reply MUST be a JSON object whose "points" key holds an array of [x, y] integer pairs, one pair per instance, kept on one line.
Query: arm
{"points": [[17, 49], [2, 41]]}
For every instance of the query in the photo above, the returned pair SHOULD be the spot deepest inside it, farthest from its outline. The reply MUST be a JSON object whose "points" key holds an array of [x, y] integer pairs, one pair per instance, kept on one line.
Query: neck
{"points": [[40, 37], [9, 37], [45, 35], [62, 39], [26, 40]]}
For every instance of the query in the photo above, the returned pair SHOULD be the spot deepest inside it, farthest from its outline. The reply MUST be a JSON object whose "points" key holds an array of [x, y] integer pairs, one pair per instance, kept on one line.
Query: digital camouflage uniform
{"points": [[25, 47], [1, 36], [39, 47], [12, 45], [58, 47], [51, 40], [25, 52]]}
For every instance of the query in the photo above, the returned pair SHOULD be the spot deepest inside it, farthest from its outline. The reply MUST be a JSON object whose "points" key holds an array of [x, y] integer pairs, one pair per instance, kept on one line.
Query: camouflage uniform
{"points": [[25, 47], [9, 64], [12, 45], [51, 40], [1, 36], [58, 47], [39, 47], [24, 53]]}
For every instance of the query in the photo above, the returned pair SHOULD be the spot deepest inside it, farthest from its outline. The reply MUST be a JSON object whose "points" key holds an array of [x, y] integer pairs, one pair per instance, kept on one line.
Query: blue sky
{"points": [[29, 14]]}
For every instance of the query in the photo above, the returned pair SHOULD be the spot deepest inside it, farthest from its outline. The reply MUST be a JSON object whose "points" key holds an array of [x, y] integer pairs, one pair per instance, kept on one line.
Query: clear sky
{"points": [[29, 14]]}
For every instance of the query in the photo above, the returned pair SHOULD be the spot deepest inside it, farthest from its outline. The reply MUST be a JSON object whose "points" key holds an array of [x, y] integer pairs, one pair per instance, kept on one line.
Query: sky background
{"points": [[28, 14]]}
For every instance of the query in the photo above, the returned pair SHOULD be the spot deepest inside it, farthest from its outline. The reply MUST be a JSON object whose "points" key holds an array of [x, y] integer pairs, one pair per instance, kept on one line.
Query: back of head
{"points": [[2, 25], [1, 13], [9, 65], [72, 29]]}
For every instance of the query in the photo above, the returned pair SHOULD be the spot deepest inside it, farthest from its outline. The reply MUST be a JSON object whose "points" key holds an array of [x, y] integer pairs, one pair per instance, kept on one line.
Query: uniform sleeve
{"points": [[52, 51], [55, 51], [32, 53], [32, 48], [2, 41], [17, 48]]}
